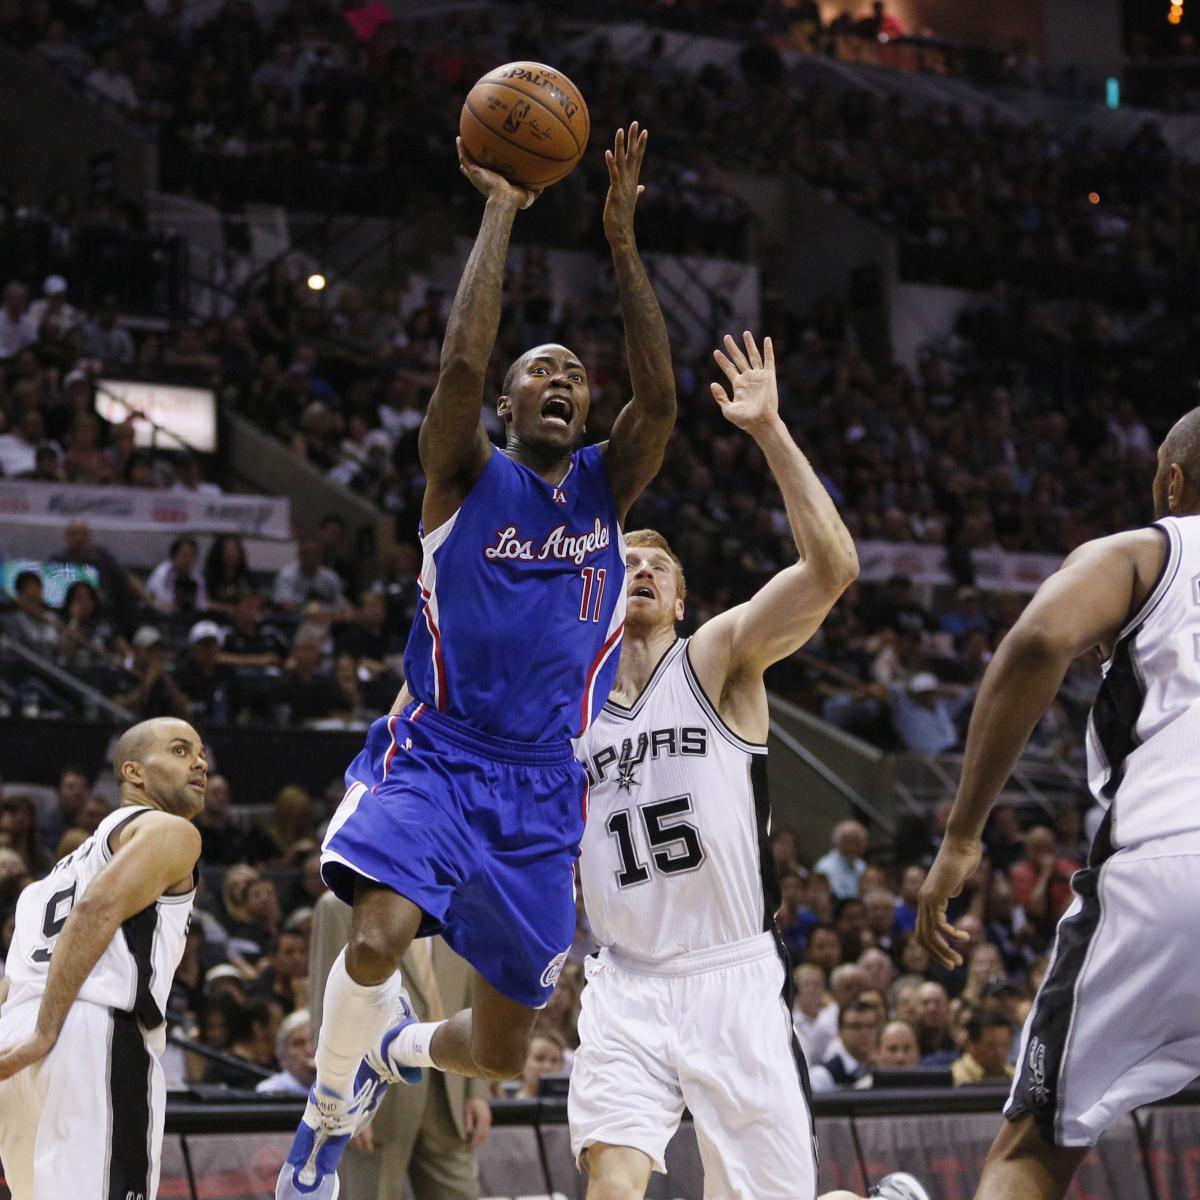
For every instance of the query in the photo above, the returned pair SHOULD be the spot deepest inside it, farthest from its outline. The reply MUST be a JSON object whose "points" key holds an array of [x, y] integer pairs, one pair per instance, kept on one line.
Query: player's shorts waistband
{"points": [[502, 749], [696, 962]]}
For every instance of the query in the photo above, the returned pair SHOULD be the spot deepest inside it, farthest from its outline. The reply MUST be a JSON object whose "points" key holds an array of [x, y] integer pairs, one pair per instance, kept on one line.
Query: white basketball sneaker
{"points": [[330, 1120], [899, 1186]]}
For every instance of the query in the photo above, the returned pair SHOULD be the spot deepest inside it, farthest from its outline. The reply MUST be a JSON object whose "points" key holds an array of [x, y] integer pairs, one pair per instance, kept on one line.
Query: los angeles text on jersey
{"points": [[670, 742], [558, 544]]}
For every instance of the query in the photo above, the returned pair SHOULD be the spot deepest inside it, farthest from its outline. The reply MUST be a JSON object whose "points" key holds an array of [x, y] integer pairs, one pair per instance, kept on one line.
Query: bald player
{"points": [[96, 945], [1115, 1024]]}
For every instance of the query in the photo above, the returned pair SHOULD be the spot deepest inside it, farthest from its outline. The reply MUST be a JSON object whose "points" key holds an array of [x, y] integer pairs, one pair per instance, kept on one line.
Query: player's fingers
{"points": [[769, 354], [619, 144], [720, 395], [639, 148], [947, 935], [931, 922], [752, 349], [641, 188], [731, 372], [735, 352]]}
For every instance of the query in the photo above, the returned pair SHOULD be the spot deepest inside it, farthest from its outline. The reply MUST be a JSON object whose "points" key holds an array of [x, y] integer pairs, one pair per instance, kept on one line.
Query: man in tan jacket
{"points": [[427, 1133]]}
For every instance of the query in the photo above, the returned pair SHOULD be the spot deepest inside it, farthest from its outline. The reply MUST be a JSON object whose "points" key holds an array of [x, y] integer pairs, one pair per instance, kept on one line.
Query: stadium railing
{"points": [[235, 1148]]}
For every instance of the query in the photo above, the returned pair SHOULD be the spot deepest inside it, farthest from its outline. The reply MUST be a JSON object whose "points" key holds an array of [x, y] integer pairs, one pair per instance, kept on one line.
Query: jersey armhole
{"points": [[710, 709], [106, 845], [1162, 583]]}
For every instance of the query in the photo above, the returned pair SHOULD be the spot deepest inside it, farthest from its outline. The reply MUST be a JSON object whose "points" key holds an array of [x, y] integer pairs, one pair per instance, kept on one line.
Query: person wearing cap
{"points": [[925, 713], [52, 315], [209, 685], [225, 978], [152, 693]]}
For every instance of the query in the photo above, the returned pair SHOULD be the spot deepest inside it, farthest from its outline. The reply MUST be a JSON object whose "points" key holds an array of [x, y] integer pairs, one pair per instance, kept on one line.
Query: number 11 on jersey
{"points": [[592, 575]]}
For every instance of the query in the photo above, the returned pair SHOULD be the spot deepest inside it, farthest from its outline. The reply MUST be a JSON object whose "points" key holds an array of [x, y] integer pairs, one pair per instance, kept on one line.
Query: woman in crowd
{"points": [[225, 571]]}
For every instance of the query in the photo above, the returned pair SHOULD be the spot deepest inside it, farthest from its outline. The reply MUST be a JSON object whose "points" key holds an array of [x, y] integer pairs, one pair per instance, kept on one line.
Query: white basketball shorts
{"points": [[1116, 1022], [87, 1121], [711, 1031]]}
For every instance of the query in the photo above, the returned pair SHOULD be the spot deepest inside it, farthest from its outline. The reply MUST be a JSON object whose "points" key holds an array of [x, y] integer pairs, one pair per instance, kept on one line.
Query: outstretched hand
{"points": [[492, 183], [624, 162], [955, 863], [755, 400]]}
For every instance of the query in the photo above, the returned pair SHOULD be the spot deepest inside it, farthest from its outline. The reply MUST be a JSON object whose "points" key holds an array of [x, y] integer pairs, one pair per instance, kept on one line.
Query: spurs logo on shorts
{"points": [[1037, 1071]]}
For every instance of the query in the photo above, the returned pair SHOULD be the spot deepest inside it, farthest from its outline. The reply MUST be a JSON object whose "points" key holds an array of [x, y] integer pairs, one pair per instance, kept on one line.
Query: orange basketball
{"points": [[527, 122]]}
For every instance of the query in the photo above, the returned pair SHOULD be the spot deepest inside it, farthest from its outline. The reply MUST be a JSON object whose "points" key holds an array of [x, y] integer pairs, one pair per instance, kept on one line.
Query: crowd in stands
{"points": [[1008, 434], [867, 998], [243, 109]]}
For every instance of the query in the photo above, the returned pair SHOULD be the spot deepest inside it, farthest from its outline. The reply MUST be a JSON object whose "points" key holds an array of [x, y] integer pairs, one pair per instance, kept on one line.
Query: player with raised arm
{"points": [[464, 812], [1115, 1023], [94, 951], [688, 1002]]}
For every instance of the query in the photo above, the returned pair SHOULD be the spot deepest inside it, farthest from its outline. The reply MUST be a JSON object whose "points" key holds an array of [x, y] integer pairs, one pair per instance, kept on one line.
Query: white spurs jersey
{"points": [[1144, 731], [135, 971], [675, 854]]}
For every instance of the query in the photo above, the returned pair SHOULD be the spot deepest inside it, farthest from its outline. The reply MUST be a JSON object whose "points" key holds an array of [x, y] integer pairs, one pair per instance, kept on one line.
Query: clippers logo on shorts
{"points": [[554, 970]]}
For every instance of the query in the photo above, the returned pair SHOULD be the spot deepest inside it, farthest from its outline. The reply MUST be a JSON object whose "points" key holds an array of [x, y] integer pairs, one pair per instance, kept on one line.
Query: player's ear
{"points": [[678, 609], [503, 407], [132, 773], [1176, 485]]}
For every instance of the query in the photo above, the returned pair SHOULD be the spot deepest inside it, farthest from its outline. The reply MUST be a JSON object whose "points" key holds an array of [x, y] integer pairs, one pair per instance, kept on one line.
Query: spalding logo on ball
{"points": [[526, 121]]}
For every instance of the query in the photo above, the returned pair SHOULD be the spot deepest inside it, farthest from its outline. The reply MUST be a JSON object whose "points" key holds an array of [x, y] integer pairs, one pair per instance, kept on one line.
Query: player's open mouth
{"points": [[557, 408], [643, 592]]}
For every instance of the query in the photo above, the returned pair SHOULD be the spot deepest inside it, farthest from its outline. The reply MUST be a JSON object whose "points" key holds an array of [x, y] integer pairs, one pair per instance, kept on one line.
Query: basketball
{"points": [[526, 121]]}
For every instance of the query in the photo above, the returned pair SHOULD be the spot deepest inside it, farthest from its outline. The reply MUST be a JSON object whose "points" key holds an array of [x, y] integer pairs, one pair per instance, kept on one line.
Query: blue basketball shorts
{"points": [[478, 832]]}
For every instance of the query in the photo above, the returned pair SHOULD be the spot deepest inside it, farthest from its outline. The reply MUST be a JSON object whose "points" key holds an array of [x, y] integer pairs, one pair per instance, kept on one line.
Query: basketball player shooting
{"points": [[688, 1003], [94, 951], [464, 812], [1115, 1023]]}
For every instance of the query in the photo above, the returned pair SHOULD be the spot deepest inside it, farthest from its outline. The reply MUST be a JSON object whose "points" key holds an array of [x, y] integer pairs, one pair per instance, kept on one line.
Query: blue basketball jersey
{"points": [[518, 628]]}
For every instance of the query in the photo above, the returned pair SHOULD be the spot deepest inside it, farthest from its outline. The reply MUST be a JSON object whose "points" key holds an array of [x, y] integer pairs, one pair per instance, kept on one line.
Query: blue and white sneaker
{"points": [[899, 1186], [330, 1121]]}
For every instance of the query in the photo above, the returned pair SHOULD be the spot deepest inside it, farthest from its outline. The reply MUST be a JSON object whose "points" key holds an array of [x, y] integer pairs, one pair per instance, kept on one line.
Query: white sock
{"points": [[354, 1020], [410, 1047]]}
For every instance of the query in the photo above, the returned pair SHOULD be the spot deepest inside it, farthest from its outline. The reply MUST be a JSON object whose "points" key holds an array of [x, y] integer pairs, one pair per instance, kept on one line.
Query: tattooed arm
{"points": [[639, 435], [453, 445]]}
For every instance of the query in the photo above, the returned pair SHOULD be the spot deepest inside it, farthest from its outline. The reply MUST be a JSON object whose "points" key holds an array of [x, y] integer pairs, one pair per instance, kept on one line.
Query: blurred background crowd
{"points": [[1025, 424]]}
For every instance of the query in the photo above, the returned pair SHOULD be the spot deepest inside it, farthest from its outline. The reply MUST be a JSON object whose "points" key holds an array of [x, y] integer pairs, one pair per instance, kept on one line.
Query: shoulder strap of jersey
{"points": [[1172, 530], [115, 821]]}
